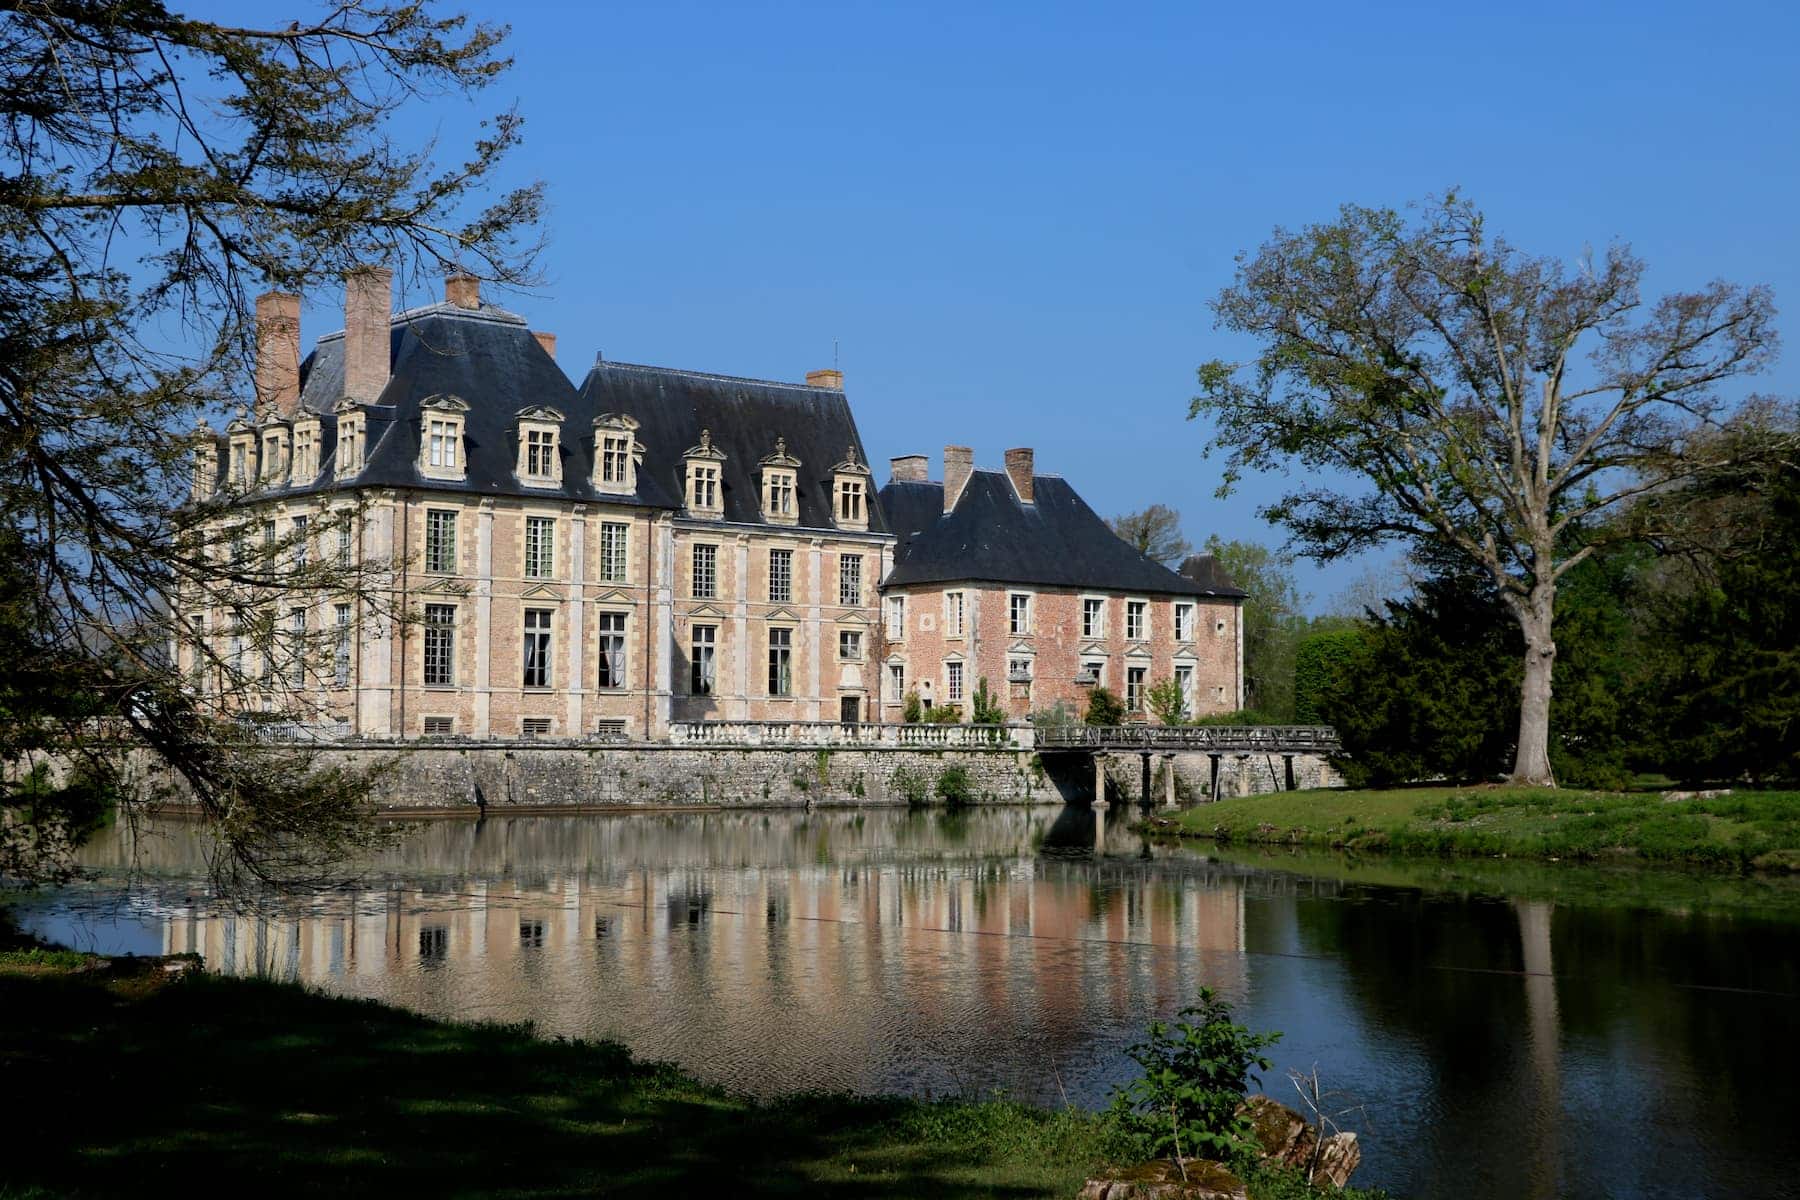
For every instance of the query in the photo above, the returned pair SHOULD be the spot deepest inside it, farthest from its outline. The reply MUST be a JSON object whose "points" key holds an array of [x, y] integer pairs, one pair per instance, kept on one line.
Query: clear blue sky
{"points": [[1011, 218]]}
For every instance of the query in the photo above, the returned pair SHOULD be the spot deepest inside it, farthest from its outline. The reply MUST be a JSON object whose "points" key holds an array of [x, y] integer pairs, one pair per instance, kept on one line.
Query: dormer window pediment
{"points": [[780, 485], [850, 492], [616, 453], [441, 420], [704, 468], [540, 449]]}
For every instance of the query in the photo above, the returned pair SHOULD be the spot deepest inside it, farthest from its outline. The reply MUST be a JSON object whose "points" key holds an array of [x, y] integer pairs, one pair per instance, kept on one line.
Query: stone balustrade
{"points": [[834, 733]]}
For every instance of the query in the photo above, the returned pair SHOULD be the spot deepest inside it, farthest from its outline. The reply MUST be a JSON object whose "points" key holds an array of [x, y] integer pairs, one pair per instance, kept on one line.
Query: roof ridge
{"points": [[692, 374], [488, 314]]}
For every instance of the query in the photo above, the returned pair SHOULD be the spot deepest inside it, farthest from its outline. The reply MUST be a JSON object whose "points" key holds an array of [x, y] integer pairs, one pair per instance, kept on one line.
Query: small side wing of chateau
{"points": [[654, 547]]}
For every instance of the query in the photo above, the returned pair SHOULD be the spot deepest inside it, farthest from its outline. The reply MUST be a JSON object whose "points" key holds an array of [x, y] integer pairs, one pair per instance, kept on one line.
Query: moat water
{"points": [[1519, 1036]]}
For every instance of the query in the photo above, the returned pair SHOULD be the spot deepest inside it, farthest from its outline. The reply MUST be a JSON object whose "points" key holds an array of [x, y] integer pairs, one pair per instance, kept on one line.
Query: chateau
{"points": [[656, 546]]}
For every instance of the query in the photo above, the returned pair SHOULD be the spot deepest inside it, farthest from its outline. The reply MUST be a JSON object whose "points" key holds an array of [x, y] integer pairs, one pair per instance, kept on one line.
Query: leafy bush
{"points": [[1060, 715], [1167, 702], [984, 706], [1320, 661], [944, 714], [1196, 1073], [911, 710], [1104, 708], [910, 784], [1243, 716], [955, 786]]}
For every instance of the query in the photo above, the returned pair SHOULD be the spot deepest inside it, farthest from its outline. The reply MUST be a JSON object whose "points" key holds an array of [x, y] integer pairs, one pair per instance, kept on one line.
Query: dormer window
{"points": [[441, 437], [242, 449], [705, 484], [306, 450], [540, 458], [850, 493], [274, 454], [615, 453], [352, 431], [780, 480]]}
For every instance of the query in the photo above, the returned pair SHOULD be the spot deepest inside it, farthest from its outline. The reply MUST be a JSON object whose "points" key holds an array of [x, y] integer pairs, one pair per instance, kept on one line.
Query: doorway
{"points": [[850, 709]]}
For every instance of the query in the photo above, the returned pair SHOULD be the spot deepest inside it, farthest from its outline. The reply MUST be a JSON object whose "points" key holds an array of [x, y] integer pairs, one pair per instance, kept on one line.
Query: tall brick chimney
{"points": [[368, 304], [546, 340], [462, 290], [909, 468], [959, 464], [278, 354], [833, 379], [1019, 470]]}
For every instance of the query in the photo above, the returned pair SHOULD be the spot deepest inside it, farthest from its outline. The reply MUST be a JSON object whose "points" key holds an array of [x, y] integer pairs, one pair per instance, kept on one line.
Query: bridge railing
{"points": [[847, 733], [1268, 739]]}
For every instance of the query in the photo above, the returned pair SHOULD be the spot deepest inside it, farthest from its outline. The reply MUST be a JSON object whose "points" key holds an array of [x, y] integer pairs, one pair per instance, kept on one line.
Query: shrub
{"points": [[910, 784], [984, 706], [1104, 708], [1243, 716], [955, 786], [1196, 1072], [1167, 702], [911, 711], [1058, 716], [944, 714]]}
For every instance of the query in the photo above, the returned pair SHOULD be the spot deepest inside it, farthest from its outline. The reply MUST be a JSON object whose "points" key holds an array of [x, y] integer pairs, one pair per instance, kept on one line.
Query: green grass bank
{"points": [[127, 1082], [1741, 830]]}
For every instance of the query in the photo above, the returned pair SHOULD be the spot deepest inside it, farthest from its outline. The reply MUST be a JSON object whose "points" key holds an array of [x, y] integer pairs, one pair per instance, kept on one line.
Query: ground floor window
{"points": [[440, 645], [1184, 679], [781, 662], [537, 647], [705, 645], [897, 680], [612, 650], [953, 682], [1134, 688]]}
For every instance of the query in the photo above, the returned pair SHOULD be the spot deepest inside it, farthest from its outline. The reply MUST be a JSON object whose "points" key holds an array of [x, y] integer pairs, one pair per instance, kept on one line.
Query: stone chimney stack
{"points": [[833, 379], [278, 354], [909, 468], [546, 340], [1019, 470], [959, 464], [462, 290], [368, 307]]}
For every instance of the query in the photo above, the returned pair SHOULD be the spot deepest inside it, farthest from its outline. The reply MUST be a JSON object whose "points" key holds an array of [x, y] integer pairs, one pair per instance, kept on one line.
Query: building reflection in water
{"points": [[765, 951]]}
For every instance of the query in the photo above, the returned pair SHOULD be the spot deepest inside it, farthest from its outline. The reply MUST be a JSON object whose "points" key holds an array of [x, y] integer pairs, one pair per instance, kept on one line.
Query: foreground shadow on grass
{"points": [[123, 1084]]}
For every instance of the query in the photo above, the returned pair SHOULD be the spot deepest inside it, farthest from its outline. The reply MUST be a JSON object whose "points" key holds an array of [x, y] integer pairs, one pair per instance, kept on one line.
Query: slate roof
{"points": [[1205, 570], [487, 358], [993, 537], [745, 416]]}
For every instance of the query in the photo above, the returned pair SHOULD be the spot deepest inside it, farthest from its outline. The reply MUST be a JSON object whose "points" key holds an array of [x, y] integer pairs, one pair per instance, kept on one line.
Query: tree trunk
{"points": [[1532, 765]]}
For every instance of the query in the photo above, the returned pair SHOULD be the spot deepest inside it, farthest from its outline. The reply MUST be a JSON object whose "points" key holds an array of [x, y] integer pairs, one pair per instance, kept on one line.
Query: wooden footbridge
{"points": [[1216, 741]]}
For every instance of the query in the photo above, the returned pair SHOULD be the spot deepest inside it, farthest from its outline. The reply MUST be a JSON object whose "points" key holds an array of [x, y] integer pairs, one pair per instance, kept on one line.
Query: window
{"points": [[1093, 670], [850, 645], [441, 437], [896, 618], [703, 487], [781, 576], [306, 450], [705, 644], [440, 645], [614, 539], [610, 730], [535, 727], [296, 652], [953, 614], [1134, 688], [344, 548], [268, 539], [272, 464], [540, 453], [850, 580], [540, 547], [615, 457], [1019, 606], [349, 442], [340, 657], [1018, 670], [440, 540], [197, 667], [778, 495], [612, 650], [1093, 617], [953, 682], [1184, 622], [537, 647], [850, 509], [897, 680], [240, 547], [706, 572], [440, 726], [1135, 624], [1184, 680], [301, 547], [781, 662]]}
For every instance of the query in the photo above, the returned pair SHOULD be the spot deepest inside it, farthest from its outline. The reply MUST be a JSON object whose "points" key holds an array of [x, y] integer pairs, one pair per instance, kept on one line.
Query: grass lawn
{"points": [[1743, 829], [121, 1081]]}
